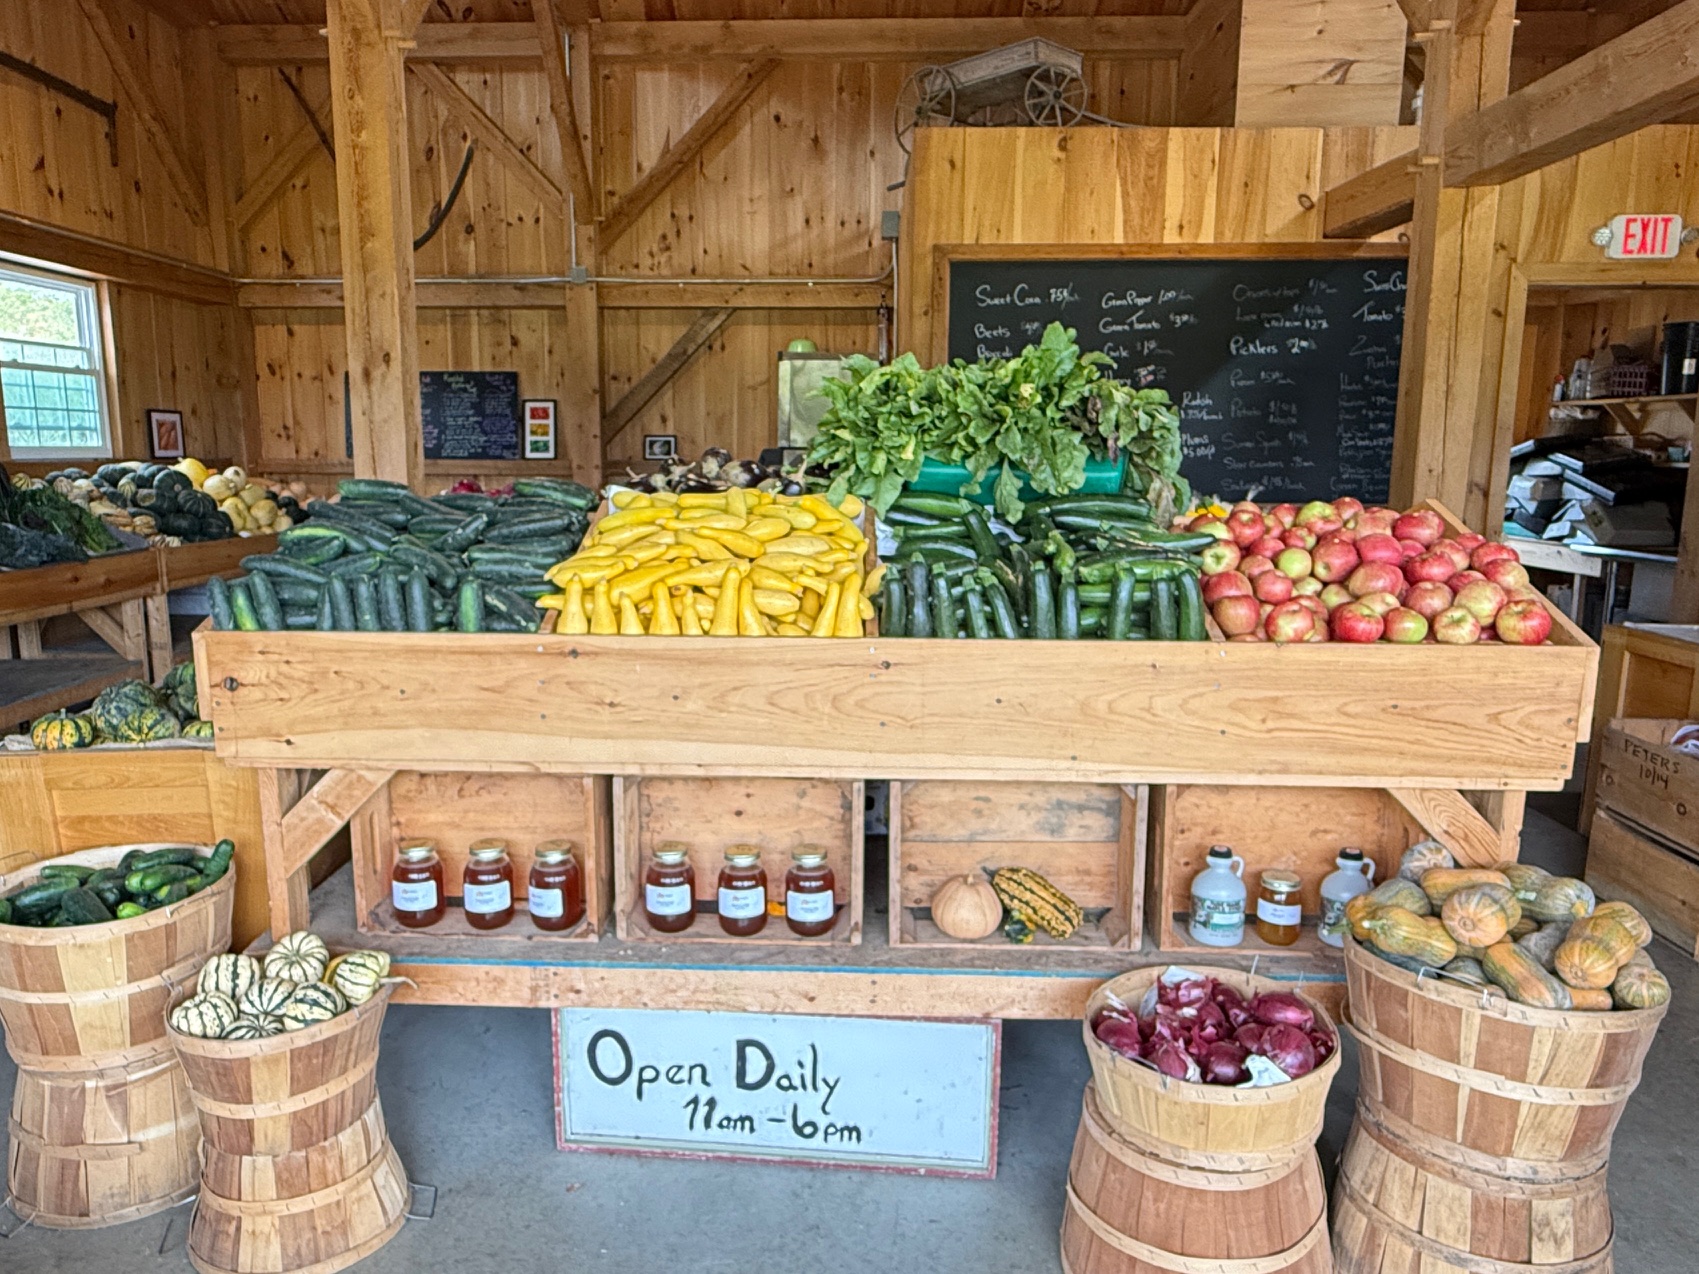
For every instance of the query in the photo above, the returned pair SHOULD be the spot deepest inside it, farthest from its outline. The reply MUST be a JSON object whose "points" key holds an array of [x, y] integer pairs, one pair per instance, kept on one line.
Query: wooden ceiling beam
{"points": [[412, 14], [465, 113], [36, 241], [289, 159], [151, 117], [657, 378], [1644, 76], [1377, 199], [184, 13], [683, 152], [551, 47]]}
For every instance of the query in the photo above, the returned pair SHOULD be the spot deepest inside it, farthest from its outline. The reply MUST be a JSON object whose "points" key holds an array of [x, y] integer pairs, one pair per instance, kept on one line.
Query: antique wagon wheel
{"points": [[927, 96], [1055, 97]]}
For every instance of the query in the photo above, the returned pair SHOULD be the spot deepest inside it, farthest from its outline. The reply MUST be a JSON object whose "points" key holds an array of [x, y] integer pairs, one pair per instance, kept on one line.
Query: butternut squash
{"points": [[1639, 985], [1440, 883], [1399, 892], [1400, 932], [1590, 1000], [1557, 898], [1480, 915], [1586, 962], [1520, 976], [1628, 918]]}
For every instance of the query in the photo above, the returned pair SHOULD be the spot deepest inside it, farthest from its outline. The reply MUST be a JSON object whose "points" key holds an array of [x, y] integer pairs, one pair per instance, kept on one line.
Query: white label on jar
{"points": [[487, 900], [1279, 913], [742, 904], [667, 900], [413, 895], [808, 908], [550, 904], [1215, 915]]}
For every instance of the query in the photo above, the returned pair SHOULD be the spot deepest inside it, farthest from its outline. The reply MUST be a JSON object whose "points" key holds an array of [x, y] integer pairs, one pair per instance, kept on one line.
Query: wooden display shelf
{"points": [[188, 565], [32, 687], [453, 925], [709, 815], [63, 588], [1088, 839], [1173, 940]]}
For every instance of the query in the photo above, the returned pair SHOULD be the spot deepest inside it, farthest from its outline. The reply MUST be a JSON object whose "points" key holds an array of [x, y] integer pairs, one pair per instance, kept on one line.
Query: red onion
{"points": [[1227, 998], [1282, 1008], [1168, 1025], [1250, 1035], [1173, 1061], [1324, 1044], [1120, 1035], [1211, 1024], [1224, 1063], [1289, 1049], [1185, 995]]}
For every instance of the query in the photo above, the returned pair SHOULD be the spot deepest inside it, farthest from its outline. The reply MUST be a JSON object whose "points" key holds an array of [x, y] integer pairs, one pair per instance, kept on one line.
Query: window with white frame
{"points": [[52, 384]]}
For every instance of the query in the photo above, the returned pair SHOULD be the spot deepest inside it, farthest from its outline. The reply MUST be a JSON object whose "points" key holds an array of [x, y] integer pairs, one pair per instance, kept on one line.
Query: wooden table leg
{"points": [[287, 891], [160, 647]]}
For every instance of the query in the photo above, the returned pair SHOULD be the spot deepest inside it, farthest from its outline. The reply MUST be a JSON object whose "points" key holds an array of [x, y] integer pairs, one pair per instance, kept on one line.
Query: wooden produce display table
{"points": [[1449, 739], [189, 566]]}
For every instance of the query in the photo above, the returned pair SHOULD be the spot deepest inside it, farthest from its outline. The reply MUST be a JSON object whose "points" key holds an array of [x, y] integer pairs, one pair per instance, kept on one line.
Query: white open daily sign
{"points": [[885, 1093]]}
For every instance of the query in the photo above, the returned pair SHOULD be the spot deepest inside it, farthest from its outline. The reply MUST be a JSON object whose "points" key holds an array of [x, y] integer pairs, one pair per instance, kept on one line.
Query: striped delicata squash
{"points": [[1035, 902]]}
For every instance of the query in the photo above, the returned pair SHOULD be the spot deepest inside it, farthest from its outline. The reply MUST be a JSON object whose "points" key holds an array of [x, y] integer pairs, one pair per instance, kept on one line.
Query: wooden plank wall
{"points": [[55, 168]]}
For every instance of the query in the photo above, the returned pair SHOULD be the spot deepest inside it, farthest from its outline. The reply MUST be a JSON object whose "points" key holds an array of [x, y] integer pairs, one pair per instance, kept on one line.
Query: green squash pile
{"points": [[129, 712], [296, 984]]}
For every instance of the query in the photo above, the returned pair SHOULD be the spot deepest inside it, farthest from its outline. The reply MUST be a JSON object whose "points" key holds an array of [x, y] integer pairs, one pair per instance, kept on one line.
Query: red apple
{"points": [[1469, 541], [1376, 521], [1285, 514], [1455, 551], [1377, 546], [1487, 634], [1423, 525], [1238, 615], [1523, 593], [1211, 526], [1483, 599], [1314, 511], [1320, 527], [1290, 621], [1333, 560], [1226, 584], [1223, 555], [1428, 598], [1405, 626], [1485, 553], [1319, 633], [1314, 606], [1272, 586], [1255, 565], [1268, 546], [1246, 526], [1458, 582], [1375, 577], [1335, 595], [1429, 566], [1249, 637], [1201, 520], [1411, 548], [1380, 603], [1348, 507], [1523, 623], [1295, 562], [1356, 622], [1308, 586], [1505, 573], [1299, 538], [1456, 627]]}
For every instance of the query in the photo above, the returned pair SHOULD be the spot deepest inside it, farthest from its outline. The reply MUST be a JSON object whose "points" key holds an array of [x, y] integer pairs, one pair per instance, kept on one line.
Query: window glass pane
{"points": [[48, 322], [39, 311]]}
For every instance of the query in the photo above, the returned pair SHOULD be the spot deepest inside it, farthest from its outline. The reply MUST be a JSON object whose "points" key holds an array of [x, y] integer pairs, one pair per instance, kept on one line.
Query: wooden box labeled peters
{"points": [[1087, 839], [1630, 863], [709, 815], [455, 808], [1642, 778]]}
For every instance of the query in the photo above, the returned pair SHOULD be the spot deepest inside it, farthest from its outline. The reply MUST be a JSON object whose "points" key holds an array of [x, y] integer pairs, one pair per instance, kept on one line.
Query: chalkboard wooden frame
{"points": [[944, 254]]}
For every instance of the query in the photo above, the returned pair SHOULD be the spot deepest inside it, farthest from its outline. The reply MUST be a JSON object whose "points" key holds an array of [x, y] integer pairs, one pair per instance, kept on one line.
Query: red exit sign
{"points": [[1636, 236]]}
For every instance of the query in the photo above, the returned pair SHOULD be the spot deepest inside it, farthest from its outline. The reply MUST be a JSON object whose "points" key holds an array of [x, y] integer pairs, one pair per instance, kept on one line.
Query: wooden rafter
{"points": [[682, 153], [289, 159], [1377, 199], [26, 237], [154, 125], [639, 396], [412, 14], [184, 13], [464, 112], [1456, 824], [551, 44], [659, 294]]}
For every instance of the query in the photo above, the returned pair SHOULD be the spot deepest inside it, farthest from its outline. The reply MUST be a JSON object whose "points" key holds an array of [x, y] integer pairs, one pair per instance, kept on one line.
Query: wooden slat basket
{"points": [[102, 1130], [1207, 1126], [1507, 1090], [300, 1174]]}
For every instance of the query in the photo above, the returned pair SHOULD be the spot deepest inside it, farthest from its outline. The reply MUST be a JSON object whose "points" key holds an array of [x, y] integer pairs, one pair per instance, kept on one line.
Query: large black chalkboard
{"points": [[1286, 370], [466, 415]]}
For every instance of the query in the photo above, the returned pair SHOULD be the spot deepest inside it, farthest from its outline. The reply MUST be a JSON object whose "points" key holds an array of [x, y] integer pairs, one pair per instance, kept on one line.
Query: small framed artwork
{"points": [[165, 433], [660, 446], [539, 417]]}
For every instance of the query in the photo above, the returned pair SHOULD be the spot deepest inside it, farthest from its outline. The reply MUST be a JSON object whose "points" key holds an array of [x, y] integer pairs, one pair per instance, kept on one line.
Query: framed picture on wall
{"points": [[660, 446], [539, 417], [165, 433]]}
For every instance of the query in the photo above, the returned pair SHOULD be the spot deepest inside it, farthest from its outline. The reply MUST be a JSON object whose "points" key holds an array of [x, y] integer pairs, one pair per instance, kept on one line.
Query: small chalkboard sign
{"points": [[1285, 369], [465, 415]]}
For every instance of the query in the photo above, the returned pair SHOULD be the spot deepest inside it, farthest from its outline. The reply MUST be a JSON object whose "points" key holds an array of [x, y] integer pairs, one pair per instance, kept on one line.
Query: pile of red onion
{"points": [[1203, 1030]]}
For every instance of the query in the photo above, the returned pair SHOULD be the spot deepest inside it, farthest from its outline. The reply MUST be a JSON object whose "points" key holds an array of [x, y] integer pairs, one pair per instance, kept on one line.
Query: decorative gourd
{"points": [[1558, 898], [1628, 918], [358, 974], [1590, 999], [1400, 932], [1480, 915], [147, 725], [1543, 943], [1422, 857], [179, 688], [59, 731], [297, 957], [254, 1028], [1440, 883], [207, 1015], [1617, 938], [1522, 875], [1036, 902], [265, 998], [1357, 912], [113, 706], [230, 975], [1639, 985], [1399, 892], [1587, 961], [1467, 970], [1520, 976], [198, 730], [310, 1003], [967, 908]]}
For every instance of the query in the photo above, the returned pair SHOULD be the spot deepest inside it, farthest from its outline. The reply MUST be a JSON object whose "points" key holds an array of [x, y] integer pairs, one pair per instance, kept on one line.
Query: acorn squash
{"points": [[59, 731], [1639, 985]]}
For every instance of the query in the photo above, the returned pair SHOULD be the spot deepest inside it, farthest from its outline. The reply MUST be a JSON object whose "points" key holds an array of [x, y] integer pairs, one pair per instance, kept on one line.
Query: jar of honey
{"points": [[1280, 913], [743, 892], [669, 889], [487, 885], [809, 908], [555, 891], [416, 885]]}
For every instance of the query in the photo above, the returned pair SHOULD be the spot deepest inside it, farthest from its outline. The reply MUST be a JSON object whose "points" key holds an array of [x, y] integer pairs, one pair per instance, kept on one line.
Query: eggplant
{"points": [[743, 473], [713, 460]]}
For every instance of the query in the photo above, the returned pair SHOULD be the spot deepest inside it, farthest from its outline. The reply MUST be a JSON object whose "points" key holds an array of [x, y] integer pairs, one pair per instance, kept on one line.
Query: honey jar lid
{"points": [[743, 855], [489, 849], [671, 852], [808, 856], [1280, 880], [555, 851], [416, 851]]}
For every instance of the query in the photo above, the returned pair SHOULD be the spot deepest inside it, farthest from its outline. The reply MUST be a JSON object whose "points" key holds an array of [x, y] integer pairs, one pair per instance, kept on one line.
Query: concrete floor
{"points": [[467, 1094]]}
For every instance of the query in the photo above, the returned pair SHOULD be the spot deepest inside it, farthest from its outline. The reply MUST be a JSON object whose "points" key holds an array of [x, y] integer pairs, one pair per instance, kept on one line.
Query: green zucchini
{"points": [[176, 856], [357, 564], [469, 616], [1004, 619], [893, 607], [946, 621], [574, 495], [1115, 506], [978, 614], [296, 593], [242, 604], [325, 620], [943, 533], [919, 598], [897, 516], [341, 604], [267, 608], [279, 567], [441, 571], [1164, 611], [43, 894], [69, 871], [215, 864], [418, 595], [531, 529], [391, 515], [979, 533], [1068, 608], [366, 604], [1192, 626], [371, 489], [417, 506], [392, 604], [940, 506], [1041, 603], [218, 602], [1121, 607], [464, 534]]}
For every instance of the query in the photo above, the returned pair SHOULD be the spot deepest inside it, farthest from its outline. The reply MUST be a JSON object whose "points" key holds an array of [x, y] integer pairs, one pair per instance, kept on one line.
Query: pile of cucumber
{"points": [[1077, 566], [382, 559], [68, 894]]}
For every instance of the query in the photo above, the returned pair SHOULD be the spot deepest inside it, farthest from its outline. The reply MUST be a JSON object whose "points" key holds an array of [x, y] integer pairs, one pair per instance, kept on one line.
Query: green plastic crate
{"points": [[1102, 477]]}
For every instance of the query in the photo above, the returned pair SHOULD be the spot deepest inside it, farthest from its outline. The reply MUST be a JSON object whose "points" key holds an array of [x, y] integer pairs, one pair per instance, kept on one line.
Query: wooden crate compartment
{"points": [[1088, 839], [1630, 862], [1302, 829], [456, 808], [710, 815]]}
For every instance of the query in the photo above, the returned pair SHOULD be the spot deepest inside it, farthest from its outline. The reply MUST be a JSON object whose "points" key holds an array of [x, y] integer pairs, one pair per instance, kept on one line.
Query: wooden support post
{"points": [[1209, 64], [562, 106], [635, 399], [287, 890], [375, 211], [160, 647]]}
